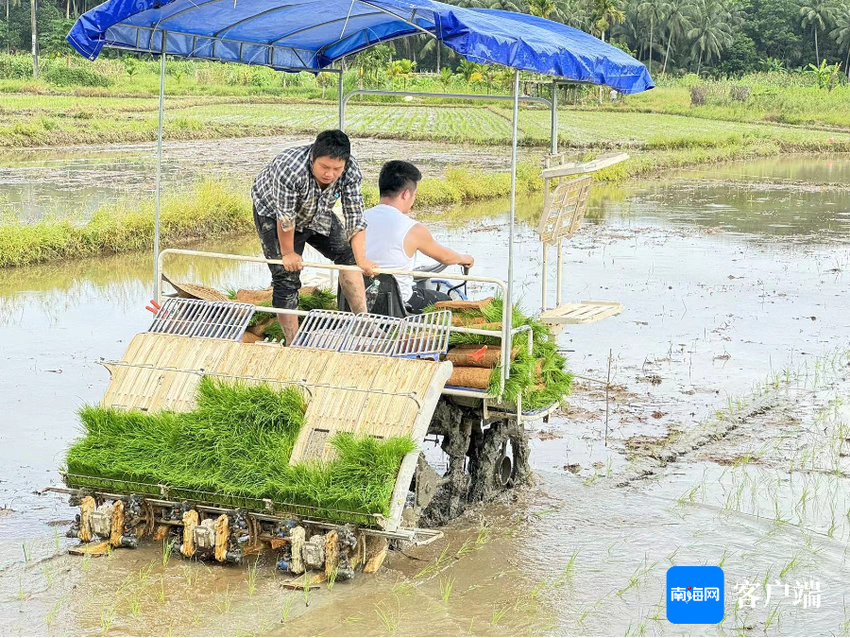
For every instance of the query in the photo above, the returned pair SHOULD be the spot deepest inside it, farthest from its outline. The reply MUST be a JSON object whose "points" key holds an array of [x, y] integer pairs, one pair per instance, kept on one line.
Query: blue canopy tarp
{"points": [[312, 34]]}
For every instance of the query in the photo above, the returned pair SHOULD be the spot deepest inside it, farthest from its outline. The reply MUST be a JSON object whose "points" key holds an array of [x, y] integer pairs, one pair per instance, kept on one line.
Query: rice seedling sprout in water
{"points": [[251, 579], [167, 548], [388, 616], [499, 613], [446, 585], [286, 608], [51, 615]]}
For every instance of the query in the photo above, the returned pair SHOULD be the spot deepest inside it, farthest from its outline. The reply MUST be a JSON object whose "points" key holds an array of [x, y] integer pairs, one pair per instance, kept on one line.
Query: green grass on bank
{"points": [[210, 209], [238, 441], [790, 97], [59, 120], [767, 97]]}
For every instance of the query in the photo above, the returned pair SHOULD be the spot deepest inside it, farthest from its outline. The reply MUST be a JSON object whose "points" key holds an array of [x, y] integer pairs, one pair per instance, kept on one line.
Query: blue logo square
{"points": [[695, 595]]}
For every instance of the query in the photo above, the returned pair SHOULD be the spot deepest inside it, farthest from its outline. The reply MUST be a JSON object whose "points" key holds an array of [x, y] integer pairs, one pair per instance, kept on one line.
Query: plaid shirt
{"points": [[286, 189]]}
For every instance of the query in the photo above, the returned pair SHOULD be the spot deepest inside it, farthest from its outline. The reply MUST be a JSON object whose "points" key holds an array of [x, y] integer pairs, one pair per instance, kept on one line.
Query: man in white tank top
{"points": [[393, 238]]}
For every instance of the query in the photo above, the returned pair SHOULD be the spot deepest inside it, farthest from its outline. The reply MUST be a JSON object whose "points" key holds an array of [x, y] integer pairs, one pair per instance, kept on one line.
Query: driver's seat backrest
{"points": [[386, 302]]}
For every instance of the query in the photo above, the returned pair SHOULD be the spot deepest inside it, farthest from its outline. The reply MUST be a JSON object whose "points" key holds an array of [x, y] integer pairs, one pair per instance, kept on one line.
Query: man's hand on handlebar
{"points": [[367, 267], [467, 261], [292, 262]]}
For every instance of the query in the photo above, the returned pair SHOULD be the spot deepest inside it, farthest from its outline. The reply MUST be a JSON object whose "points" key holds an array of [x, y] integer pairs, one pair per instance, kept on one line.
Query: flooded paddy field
{"points": [[724, 439], [76, 180]]}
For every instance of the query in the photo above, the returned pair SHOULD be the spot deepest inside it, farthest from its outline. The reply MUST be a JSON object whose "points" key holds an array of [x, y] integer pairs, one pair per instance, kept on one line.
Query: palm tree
{"points": [[606, 13], [654, 10], [541, 8], [712, 31], [818, 14], [432, 43], [503, 5], [445, 78], [574, 13], [841, 33], [468, 69], [678, 23]]}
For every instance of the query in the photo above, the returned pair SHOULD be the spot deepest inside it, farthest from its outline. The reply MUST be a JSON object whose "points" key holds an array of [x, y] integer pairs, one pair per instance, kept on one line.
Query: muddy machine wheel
{"points": [[485, 459]]}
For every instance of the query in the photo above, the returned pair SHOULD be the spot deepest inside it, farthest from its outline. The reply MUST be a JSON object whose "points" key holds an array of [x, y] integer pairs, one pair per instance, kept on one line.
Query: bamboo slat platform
{"points": [[363, 394], [582, 313]]}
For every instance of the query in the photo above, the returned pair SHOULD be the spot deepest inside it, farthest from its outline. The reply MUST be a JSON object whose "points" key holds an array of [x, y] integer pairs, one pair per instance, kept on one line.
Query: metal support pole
{"points": [[560, 268], [341, 103], [554, 132], [508, 319], [545, 277], [34, 26], [158, 169]]}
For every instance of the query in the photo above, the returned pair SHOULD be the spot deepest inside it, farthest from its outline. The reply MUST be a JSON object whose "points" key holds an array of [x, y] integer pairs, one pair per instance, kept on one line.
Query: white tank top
{"points": [[386, 228]]}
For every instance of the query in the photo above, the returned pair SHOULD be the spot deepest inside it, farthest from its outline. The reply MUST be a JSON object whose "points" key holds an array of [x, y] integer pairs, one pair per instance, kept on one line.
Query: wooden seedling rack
{"points": [[564, 210]]}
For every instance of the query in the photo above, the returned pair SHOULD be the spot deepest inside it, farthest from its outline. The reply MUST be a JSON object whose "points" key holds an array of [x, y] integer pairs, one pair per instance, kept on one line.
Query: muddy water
{"points": [[75, 181], [731, 325]]}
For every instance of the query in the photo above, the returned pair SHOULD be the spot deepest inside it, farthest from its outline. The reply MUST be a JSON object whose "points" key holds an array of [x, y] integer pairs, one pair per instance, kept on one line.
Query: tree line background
{"points": [[707, 37]]}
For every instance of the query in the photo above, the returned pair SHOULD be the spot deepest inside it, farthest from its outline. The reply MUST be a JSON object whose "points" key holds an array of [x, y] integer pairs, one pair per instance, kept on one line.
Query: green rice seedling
{"points": [[167, 548], [56, 537], [251, 579], [403, 589], [766, 578], [353, 619], [306, 590], [388, 616], [238, 441], [499, 613], [446, 585], [188, 575], [48, 576], [672, 555], [792, 564], [86, 563], [51, 615], [539, 587], [658, 614], [633, 582], [319, 299], [286, 609], [26, 552], [471, 623], [224, 602], [772, 617], [135, 604], [439, 563], [107, 615], [332, 578], [467, 547], [484, 535], [22, 595], [568, 571]]}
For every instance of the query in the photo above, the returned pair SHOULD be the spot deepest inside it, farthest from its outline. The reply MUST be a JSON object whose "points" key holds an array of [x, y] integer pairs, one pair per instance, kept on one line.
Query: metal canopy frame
{"points": [[342, 100]]}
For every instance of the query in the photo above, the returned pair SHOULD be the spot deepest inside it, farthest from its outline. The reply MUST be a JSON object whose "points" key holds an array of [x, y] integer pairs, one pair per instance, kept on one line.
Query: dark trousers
{"points": [[334, 246]]}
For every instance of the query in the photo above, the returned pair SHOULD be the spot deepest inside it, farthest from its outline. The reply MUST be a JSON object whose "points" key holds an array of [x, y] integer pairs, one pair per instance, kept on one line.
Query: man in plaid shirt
{"points": [[294, 197]]}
